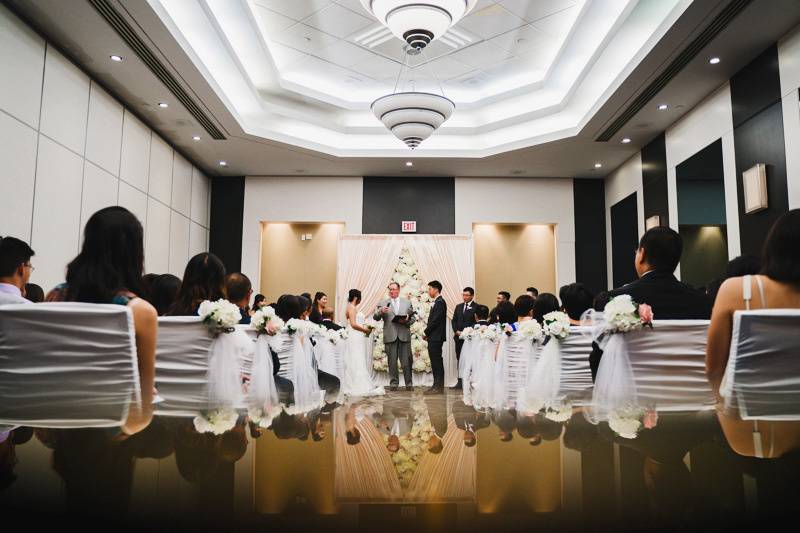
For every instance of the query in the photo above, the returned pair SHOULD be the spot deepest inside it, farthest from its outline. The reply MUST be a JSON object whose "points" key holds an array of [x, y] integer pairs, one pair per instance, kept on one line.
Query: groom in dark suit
{"points": [[463, 317], [657, 258], [435, 334]]}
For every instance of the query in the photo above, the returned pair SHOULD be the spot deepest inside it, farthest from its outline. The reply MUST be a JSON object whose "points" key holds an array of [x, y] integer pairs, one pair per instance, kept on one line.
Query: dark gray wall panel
{"points": [[590, 233], [227, 212], [389, 201]]}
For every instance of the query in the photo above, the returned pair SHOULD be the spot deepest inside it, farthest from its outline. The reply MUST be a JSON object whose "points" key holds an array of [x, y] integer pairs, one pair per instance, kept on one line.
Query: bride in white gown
{"points": [[357, 381]]}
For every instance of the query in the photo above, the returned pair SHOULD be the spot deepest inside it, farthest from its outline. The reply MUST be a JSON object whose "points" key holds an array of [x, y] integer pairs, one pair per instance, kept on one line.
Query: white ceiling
{"points": [[521, 72]]}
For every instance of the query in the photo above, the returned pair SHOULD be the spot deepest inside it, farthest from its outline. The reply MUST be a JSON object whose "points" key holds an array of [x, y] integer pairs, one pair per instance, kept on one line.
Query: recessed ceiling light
{"points": [[663, 107], [223, 163], [625, 140], [714, 60], [116, 58], [598, 165], [409, 164], [196, 138], [163, 104]]}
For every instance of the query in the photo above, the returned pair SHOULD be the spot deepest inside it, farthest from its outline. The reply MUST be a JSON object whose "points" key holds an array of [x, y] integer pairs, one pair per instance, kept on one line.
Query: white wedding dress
{"points": [[357, 381]]}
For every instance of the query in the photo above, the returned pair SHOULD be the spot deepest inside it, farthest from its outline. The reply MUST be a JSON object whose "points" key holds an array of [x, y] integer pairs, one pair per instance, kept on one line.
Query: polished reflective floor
{"points": [[344, 469]]}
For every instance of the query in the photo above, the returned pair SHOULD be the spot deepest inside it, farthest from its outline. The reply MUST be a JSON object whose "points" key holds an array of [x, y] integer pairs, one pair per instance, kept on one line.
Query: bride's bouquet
{"points": [[266, 321], [221, 315]]}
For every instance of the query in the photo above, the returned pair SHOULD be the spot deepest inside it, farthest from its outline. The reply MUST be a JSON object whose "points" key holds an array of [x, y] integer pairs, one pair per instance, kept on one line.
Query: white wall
{"points": [[522, 201], [789, 64], [620, 184], [295, 199], [69, 149], [710, 120]]}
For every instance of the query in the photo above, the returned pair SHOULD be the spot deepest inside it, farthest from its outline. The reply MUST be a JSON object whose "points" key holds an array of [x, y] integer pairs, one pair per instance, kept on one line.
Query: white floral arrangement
{"points": [[406, 274], [467, 333], [560, 412], [304, 327], [530, 329], [334, 336], [216, 421], [489, 333], [406, 459], [261, 418], [622, 315], [556, 325], [220, 315], [626, 421], [266, 321]]}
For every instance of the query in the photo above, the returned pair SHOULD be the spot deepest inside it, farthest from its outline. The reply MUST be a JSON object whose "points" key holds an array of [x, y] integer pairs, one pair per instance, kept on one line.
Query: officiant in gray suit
{"points": [[397, 315]]}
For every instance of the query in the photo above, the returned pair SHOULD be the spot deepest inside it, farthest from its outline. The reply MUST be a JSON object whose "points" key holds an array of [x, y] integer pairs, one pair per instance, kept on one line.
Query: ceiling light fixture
{"points": [[223, 163], [598, 165], [418, 22], [409, 164], [714, 60], [163, 104], [196, 138], [115, 58], [625, 140], [663, 107]]}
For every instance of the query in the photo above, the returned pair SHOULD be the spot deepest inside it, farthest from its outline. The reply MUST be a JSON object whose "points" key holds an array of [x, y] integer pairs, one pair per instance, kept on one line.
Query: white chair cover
{"points": [[196, 369], [307, 393], [467, 358], [484, 364], [67, 365], [262, 393], [762, 377], [516, 355], [661, 368], [576, 375], [330, 356]]}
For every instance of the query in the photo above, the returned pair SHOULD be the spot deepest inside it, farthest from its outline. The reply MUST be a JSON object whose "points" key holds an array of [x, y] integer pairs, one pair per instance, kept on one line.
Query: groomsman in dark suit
{"points": [[435, 334], [463, 317], [656, 259]]}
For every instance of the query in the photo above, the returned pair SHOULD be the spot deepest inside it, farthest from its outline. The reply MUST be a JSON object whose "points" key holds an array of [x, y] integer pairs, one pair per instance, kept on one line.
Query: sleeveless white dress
{"points": [[357, 381]]}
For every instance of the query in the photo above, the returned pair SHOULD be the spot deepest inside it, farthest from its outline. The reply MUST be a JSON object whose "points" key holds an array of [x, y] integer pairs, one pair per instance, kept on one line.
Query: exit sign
{"points": [[409, 226]]}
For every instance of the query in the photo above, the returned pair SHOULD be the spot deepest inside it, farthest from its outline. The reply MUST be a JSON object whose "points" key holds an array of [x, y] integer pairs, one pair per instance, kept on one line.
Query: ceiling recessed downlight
{"points": [[196, 138], [115, 58], [714, 60], [163, 104], [663, 107], [598, 165], [409, 164], [223, 163], [625, 140]]}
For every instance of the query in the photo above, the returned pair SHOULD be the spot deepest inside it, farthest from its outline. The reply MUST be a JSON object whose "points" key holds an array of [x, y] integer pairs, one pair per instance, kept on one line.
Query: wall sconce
{"points": [[652, 222], [754, 181]]}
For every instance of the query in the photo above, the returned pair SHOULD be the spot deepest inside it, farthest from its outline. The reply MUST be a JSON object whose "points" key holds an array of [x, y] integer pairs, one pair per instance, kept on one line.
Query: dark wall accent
{"points": [[227, 213], [590, 233], [389, 201], [654, 179], [624, 239], [758, 138]]}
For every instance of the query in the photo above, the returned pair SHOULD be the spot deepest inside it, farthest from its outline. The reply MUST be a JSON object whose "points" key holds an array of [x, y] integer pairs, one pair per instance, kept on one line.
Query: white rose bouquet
{"points": [[467, 333], [559, 412], [626, 421], [530, 329], [622, 315], [217, 421], [556, 325], [489, 333], [266, 321], [220, 315]]}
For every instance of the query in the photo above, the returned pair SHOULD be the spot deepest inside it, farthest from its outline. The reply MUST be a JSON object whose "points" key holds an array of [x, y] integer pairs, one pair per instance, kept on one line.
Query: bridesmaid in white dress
{"points": [[357, 381]]}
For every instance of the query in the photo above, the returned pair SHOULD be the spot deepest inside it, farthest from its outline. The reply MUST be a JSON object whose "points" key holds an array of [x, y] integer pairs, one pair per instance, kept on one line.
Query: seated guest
{"points": [[34, 293], [545, 303], [203, 279], [259, 301], [108, 270], [575, 299], [533, 292], [306, 305], [147, 282], [327, 319], [320, 302], [481, 315], [504, 313], [164, 292], [15, 270], [239, 290], [502, 296], [776, 287], [656, 259], [524, 306], [738, 266]]}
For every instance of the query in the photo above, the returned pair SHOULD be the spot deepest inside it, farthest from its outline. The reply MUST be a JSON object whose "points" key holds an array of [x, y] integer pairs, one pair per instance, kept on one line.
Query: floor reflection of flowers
{"points": [[406, 459]]}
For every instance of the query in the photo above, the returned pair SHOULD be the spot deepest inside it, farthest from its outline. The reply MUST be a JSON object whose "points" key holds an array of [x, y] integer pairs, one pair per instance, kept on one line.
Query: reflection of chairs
{"points": [[182, 365], [762, 377], [668, 364], [67, 365]]}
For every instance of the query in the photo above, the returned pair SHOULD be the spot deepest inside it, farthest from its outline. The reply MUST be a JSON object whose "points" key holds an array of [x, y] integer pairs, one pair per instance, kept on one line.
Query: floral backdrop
{"points": [[406, 274]]}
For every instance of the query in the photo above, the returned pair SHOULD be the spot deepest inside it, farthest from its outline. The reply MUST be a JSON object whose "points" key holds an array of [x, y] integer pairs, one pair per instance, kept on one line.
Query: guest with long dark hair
{"points": [[320, 302], [108, 270], [544, 303], [164, 292], [203, 279]]}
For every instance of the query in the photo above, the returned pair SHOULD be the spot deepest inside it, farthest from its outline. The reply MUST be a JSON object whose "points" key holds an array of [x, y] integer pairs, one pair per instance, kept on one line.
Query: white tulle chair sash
{"points": [[515, 356], [762, 377], [262, 393], [307, 393]]}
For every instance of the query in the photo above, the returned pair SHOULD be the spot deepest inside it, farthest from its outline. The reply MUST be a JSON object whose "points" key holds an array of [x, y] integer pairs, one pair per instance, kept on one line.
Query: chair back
{"points": [[66, 365], [576, 375]]}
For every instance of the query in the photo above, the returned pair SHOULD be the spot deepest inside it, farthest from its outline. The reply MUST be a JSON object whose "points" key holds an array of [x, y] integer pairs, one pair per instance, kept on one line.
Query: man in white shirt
{"points": [[15, 270]]}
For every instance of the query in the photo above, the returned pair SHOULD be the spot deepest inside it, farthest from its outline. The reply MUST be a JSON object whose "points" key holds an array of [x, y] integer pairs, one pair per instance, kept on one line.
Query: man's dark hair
{"points": [[505, 294], [545, 303], [436, 285], [575, 299], [533, 290], [306, 295], [237, 286], [506, 314], [437, 448], [662, 248], [470, 290], [13, 253], [523, 305], [780, 259], [481, 312], [34, 293]]}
